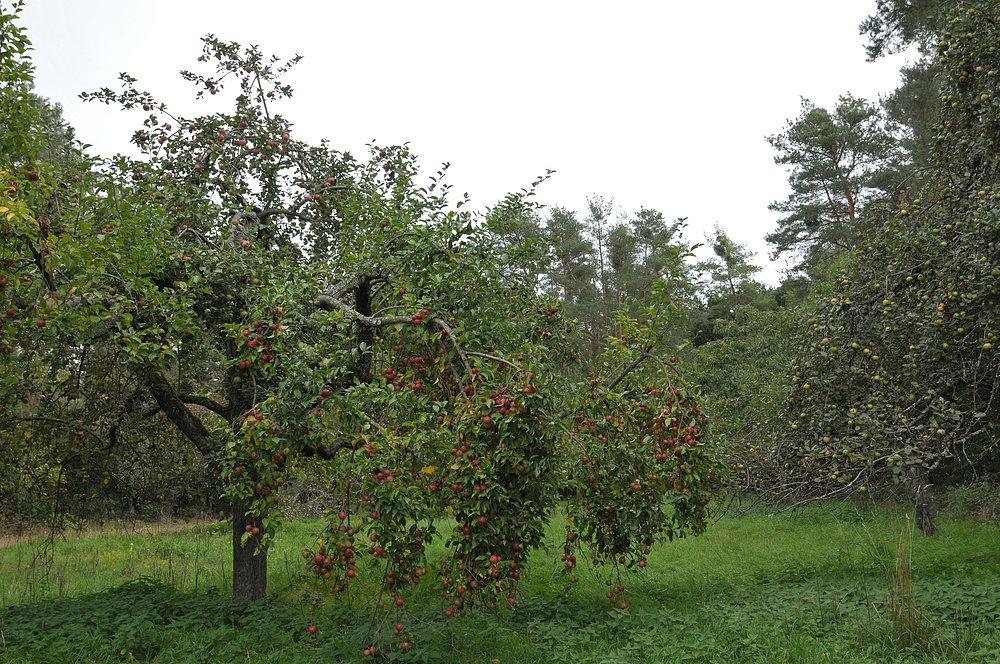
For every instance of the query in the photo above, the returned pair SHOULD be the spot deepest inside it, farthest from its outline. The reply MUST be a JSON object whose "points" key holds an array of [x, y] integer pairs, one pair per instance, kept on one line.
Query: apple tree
{"points": [[270, 300], [898, 376]]}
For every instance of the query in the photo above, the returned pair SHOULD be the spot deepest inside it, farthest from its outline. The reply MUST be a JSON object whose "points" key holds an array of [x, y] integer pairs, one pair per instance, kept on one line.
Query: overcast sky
{"points": [[663, 104]]}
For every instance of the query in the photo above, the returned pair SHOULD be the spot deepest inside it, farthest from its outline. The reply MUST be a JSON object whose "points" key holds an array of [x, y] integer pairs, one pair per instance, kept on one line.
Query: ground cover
{"points": [[828, 584]]}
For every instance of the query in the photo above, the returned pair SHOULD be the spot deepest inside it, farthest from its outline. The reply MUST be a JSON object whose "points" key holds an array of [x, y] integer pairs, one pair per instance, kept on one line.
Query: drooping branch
{"points": [[261, 215], [200, 236], [451, 365], [663, 367], [622, 376]]}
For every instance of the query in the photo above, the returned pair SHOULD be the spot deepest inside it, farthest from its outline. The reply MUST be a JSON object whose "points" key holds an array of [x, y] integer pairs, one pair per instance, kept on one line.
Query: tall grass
{"points": [[189, 557]]}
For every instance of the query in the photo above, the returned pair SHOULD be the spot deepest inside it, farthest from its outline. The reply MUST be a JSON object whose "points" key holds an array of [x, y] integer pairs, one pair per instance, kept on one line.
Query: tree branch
{"points": [[328, 302], [630, 368], [327, 453], [198, 235], [214, 406], [178, 413], [458, 349]]}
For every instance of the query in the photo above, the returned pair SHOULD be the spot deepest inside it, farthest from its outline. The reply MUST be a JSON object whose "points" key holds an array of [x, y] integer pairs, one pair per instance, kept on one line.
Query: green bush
{"points": [[980, 500]]}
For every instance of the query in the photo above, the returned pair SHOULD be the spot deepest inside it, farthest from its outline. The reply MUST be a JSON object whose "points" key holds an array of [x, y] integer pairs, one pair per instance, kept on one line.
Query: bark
{"points": [[365, 332], [249, 565], [920, 499]]}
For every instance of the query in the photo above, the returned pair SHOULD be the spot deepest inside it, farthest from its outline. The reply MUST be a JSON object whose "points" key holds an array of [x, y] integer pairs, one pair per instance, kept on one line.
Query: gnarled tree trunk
{"points": [[921, 499]]}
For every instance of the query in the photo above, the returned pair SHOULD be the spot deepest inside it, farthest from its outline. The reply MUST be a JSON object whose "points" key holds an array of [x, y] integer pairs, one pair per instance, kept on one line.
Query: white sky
{"points": [[661, 104]]}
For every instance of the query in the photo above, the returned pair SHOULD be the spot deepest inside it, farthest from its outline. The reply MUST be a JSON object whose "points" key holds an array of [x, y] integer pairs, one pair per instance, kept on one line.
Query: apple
{"points": [[40, 322], [313, 629]]}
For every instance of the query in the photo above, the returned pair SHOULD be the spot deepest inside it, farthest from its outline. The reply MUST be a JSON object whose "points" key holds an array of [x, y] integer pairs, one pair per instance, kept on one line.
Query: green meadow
{"points": [[823, 584]]}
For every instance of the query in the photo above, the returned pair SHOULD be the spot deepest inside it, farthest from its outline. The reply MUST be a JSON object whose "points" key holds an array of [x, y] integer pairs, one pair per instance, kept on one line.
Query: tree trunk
{"points": [[249, 565], [920, 499]]}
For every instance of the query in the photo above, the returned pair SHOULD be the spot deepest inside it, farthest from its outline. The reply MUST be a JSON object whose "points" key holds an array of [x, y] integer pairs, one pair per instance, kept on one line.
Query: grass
{"points": [[817, 585], [189, 557]]}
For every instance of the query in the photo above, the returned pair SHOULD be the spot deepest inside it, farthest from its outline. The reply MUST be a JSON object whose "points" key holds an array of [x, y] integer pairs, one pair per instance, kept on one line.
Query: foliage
{"points": [[897, 24], [727, 289], [915, 105], [977, 499], [837, 160], [731, 270], [743, 373]]}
